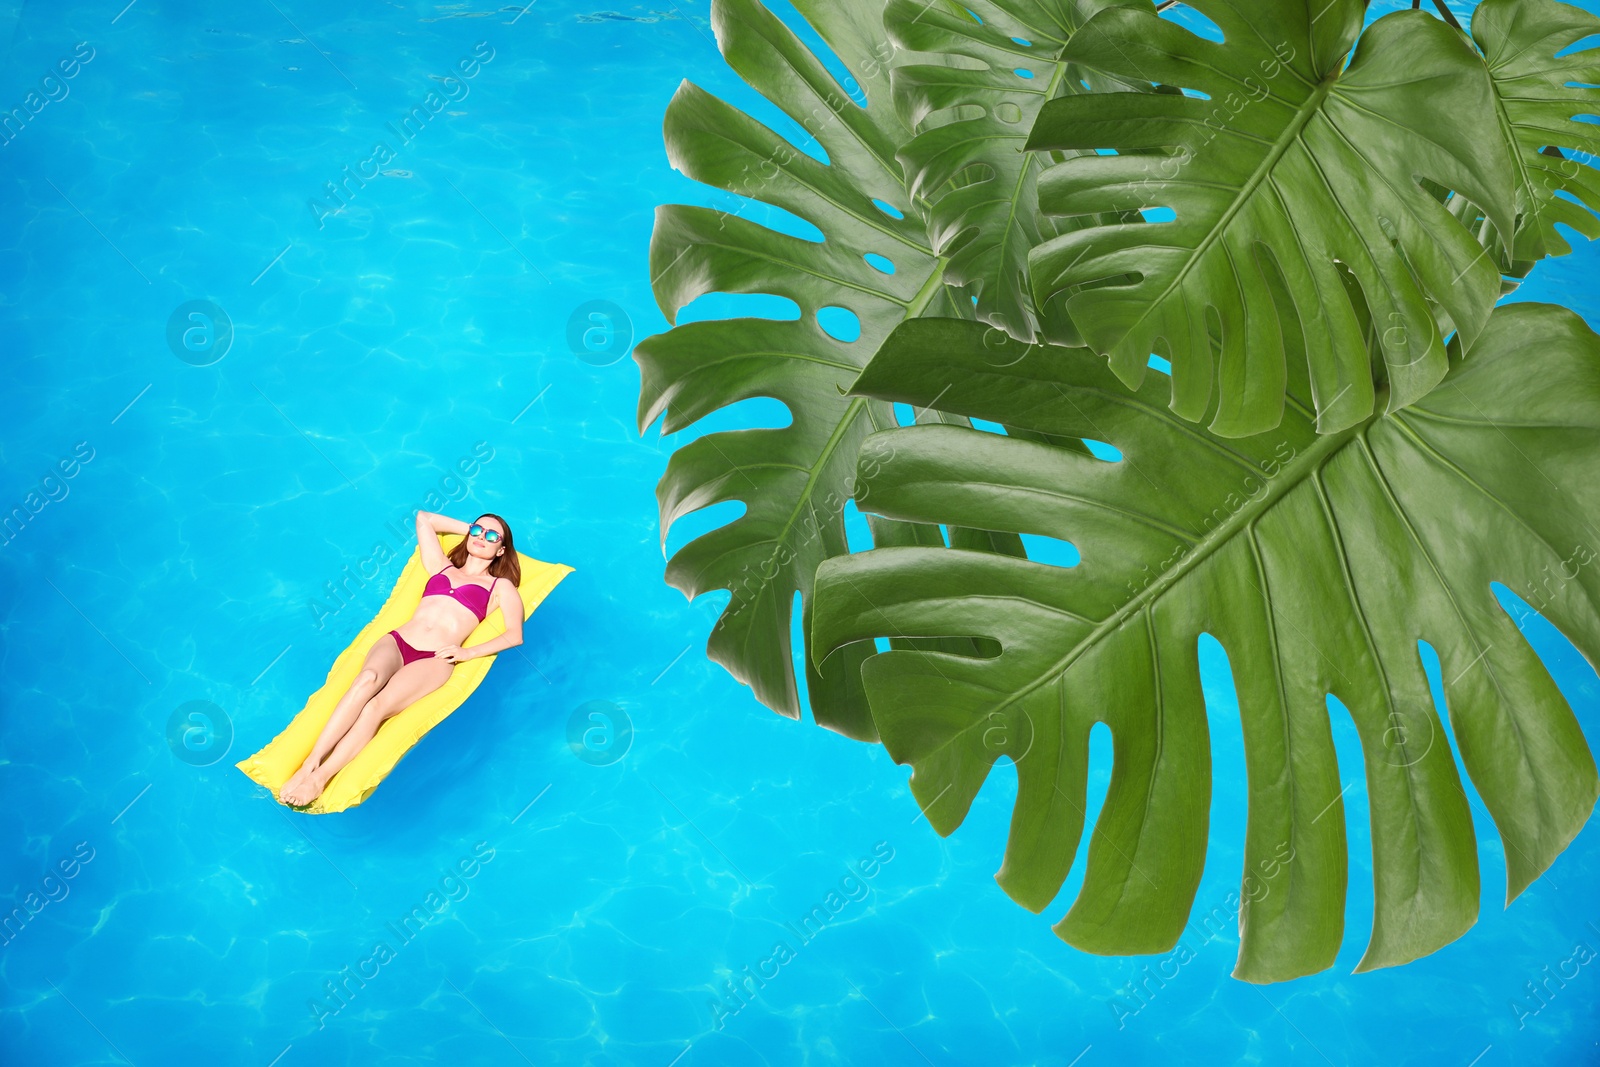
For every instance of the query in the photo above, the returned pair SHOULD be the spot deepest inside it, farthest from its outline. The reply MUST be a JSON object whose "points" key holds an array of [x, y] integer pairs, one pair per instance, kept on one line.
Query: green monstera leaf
{"points": [[1317, 561], [1538, 96], [973, 122], [1290, 171], [794, 481]]}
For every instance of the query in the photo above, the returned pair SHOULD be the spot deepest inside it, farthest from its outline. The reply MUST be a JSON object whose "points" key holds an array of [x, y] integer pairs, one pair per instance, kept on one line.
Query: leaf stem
{"points": [[1444, 9]]}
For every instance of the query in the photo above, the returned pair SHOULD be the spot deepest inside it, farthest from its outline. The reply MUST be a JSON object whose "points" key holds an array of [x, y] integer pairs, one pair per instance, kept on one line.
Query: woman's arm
{"points": [[510, 602], [429, 527]]}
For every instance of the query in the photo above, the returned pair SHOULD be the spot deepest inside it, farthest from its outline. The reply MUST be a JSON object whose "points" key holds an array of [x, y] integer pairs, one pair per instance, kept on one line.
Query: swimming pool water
{"points": [[532, 906]]}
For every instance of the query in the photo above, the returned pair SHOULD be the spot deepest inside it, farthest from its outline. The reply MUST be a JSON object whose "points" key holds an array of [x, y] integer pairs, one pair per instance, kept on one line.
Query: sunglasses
{"points": [[476, 530]]}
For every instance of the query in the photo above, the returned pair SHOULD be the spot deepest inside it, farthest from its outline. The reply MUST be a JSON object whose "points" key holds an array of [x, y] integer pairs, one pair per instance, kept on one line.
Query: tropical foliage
{"points": [[1317, 561], [1312, 221], [1535, 90], [1290, 173], [972, 125], [793, 481]]}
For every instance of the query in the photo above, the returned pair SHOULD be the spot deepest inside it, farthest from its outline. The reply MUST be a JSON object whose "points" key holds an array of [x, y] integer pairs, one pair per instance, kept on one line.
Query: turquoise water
{"points": [[581, 911]]}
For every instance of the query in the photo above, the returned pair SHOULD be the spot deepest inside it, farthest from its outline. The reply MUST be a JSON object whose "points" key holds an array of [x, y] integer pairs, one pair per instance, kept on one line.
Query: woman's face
{"points": [[479, 546]]}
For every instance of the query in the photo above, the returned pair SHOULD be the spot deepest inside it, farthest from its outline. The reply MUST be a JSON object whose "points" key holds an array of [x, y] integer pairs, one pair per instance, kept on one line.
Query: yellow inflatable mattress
{"points": [[277, 762]]}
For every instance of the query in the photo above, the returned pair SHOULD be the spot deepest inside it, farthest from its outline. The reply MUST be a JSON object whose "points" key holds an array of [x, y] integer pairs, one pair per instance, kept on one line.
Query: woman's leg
{"points": [[383, 660], [410, 684]]}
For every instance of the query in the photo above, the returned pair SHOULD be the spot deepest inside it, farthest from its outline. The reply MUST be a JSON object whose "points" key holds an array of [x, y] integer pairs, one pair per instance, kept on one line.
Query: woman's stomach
{"points": [[433, 626]]}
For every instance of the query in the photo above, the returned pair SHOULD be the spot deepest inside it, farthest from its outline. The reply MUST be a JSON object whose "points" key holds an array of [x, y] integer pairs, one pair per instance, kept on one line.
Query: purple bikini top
{"points": [[466, 593]]}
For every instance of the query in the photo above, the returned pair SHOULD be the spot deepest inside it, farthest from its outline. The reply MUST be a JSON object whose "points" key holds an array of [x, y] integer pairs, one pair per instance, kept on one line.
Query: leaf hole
{"points": [[714, 305], [1350, 794], [1051, 550], [857, 534], [797, 657], [812, 147], [1577, 680], [888, 209], [977, 173], [751, 413], [839, 323], [696, 524], [1581, 45], [878, 263], [1408, 733], [1230, 794], [1102, 451], [830, 60], [1194, 21], [1022, 72], [1097, 786], [737, 206]]}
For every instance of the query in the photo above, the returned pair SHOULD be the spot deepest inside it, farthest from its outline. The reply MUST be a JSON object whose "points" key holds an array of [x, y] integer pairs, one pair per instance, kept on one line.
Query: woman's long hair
{"points": [[506, 565]]}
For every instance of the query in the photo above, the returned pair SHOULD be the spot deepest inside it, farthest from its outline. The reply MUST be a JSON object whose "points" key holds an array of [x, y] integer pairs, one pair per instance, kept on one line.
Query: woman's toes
{"points": [[297, 792], [305, 786], [295, 786]]}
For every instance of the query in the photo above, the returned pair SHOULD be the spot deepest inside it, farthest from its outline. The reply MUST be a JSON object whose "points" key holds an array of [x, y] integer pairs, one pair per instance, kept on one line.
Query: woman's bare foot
{"points": [[303, 788], [298, 778]]}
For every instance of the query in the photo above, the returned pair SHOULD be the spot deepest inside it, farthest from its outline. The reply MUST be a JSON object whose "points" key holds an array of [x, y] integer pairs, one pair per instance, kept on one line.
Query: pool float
{"points": [[277, 762]]}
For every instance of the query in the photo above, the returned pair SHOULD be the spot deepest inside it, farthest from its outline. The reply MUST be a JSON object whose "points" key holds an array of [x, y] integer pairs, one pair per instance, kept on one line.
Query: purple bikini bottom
{"points": [[407, 653]]}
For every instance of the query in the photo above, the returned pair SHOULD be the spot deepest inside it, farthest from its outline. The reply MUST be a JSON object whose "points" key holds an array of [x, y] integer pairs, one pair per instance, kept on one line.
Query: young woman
{"points": [[479, 575]]}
